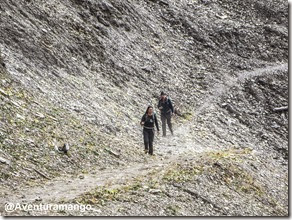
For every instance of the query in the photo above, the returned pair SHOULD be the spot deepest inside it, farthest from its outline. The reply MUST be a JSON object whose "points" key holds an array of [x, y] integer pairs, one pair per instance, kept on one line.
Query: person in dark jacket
{"points": [[148, 120], [166, 109]]}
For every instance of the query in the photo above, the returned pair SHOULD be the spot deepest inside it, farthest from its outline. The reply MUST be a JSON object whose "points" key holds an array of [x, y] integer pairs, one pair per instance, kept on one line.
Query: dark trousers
{"points": [[148, 140], [166, 118]]}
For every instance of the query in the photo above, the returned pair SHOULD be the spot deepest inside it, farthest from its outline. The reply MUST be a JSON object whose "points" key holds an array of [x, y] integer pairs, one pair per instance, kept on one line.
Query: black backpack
{"points": [[153, 117]]}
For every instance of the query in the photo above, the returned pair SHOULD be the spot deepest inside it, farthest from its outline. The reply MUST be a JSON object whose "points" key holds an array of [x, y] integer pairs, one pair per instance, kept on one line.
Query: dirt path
{"points": [[68, 187], [220, 89], [169, 149]]}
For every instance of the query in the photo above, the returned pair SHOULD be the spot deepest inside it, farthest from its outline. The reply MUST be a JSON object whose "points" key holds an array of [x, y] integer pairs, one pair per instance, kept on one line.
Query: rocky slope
{"points": [[82, 72]]}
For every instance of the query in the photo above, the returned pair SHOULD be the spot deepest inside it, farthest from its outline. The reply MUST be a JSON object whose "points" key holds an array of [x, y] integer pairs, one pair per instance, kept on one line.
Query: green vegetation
{"points": [[104, 194], [223, 166], [34, 128], [187, 116], [182, 173], [173, 210]]}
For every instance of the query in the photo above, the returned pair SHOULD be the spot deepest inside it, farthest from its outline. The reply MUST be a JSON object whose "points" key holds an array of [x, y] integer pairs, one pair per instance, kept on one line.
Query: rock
{"points": [[221, 16], [15, 103], [21, 117], [147, 69], [155, 191], [38, 199], [40, 115], [65, 148], [5, 161], [112, 153], [95, 210], [81, 177], [52, 153], [3, 92]]}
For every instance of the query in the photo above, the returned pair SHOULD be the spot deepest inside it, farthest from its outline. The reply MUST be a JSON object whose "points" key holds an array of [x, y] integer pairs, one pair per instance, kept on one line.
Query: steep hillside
{"points": [[122, 53], [82, 72]]}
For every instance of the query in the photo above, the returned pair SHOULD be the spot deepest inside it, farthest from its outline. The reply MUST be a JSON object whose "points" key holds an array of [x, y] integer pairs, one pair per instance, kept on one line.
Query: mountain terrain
{"points": [[81, 73]]}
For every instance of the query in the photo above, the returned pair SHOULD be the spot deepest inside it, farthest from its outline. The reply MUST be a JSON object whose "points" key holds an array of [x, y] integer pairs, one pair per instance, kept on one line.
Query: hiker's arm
{"points": [[143, 120], [156, 122], [159, 105], [171, 106]]}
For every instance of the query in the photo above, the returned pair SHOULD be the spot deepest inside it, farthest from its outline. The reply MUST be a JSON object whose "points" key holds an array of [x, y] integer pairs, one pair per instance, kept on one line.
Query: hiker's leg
{"points": [[151, 138], [146, 139], [163, 121], [169, 122]]}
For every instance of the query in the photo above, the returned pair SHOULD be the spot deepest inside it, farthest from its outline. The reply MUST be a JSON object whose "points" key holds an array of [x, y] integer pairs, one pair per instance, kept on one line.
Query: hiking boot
{"points": [[146, 151]]}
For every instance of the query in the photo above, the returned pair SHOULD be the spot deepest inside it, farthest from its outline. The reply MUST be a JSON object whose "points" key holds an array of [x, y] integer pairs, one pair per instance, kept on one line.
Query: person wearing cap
{"points": [[166, 108], [148, 120]]}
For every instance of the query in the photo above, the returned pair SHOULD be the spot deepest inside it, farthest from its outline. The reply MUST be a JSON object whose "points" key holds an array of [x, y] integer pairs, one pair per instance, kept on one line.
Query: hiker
{"points": [[166, 109], [148, 120]]}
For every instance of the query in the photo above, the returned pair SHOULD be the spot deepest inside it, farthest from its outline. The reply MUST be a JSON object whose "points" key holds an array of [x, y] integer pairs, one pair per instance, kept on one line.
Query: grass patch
{"points": [[182, 173], [99, 196], [172, 210], [104, 194], [226, 166], [223, 166], [187, 116]]}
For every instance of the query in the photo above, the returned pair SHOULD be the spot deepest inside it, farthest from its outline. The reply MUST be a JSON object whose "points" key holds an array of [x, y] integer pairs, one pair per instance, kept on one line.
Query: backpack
{"points": [[153, 116]]}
